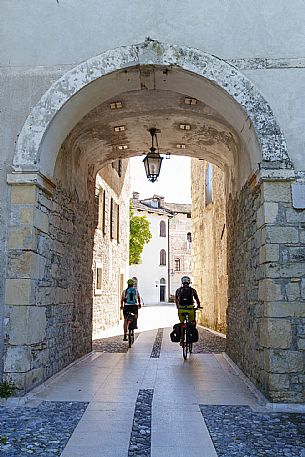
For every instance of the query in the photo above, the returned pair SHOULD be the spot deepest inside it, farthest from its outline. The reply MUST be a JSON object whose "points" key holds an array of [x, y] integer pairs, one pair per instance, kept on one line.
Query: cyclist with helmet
{"points": [[184, 299], [130, 303]]}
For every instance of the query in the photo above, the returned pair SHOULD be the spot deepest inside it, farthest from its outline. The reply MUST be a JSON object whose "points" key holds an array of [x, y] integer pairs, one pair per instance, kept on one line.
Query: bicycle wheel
{"points": [[184, 344]]}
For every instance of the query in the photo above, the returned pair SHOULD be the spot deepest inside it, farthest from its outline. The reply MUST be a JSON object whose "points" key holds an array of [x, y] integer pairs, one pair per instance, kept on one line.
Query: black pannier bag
{"points": [[175, 335], [133, 321], [194, 335]]}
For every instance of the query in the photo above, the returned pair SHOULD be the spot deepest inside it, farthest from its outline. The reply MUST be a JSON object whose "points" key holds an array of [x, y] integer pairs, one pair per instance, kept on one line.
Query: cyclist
{"points": [[130, 303], [184, 299]]}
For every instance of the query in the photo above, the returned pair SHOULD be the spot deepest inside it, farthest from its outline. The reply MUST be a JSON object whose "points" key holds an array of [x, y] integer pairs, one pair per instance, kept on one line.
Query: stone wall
{"points": [[209, 245], [266, 312]]}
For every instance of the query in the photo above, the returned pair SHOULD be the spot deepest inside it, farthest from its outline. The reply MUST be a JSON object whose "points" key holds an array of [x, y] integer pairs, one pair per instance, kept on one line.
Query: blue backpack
{"points": [[131, 296]]}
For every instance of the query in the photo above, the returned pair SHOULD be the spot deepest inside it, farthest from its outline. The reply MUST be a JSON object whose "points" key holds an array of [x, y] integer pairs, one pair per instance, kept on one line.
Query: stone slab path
{"points": [[150, 402]]}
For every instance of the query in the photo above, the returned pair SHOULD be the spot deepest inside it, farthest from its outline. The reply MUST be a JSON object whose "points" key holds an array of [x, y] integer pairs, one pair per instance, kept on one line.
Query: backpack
{"points": [[131, 296], [175, 335], [185, 297]]}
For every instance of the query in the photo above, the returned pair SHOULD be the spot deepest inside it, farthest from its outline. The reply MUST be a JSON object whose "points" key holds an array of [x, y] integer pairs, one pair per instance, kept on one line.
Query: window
{"points": [[189, 237], [162, 228], [114, 220], [101, 210], [98, 279], [162, 257], [177, 265], [209, 184], [162, 281]]}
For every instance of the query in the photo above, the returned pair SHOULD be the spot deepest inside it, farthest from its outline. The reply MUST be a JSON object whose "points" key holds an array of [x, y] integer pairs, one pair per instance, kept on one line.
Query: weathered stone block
{"points": [[287, 235], [269, 290], [26, 215], [26, 264], [18, 359], [41, 221], [21, 238], [23, 195], [18, 291], [293, 215], [279, 381], [269, 253], [288, 270], [285, 361], [297, 254], [26, 324], [271, 212], [292, 291], [277, 192], [284, 309], [275, 333]]}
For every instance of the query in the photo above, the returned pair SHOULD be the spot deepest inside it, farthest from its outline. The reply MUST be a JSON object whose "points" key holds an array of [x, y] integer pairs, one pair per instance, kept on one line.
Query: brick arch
{"points": [[32, 146]]}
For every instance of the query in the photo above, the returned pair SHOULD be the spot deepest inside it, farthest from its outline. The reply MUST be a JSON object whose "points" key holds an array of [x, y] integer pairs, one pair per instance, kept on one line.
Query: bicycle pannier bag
{"points": [[133, 321], [185, 297], [194, 335], [176, 333]]}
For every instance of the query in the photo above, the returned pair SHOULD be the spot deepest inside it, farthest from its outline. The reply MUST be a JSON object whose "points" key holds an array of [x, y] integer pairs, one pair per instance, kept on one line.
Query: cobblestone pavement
{"points": [[238, 431], [111, 344], [209, 342], [156, 350], [40, 431], [140, 439]]}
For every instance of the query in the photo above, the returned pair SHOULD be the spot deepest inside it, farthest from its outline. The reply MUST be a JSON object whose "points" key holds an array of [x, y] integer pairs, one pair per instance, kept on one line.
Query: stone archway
{"points": [[255, 189]]}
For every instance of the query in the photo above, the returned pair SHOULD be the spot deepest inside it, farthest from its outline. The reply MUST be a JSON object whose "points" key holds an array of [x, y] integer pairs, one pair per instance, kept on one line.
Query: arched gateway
{"points": [[68, 138]]}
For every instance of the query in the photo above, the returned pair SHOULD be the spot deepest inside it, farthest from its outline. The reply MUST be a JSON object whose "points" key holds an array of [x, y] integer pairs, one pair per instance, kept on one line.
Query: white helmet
{"points": [[186, 280]]}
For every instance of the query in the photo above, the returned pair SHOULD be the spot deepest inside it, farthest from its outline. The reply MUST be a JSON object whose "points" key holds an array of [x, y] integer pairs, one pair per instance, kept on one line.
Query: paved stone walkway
{"points": [[149, 402]]}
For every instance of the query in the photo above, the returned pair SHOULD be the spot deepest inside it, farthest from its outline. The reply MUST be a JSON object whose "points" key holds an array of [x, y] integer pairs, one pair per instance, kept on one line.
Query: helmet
{"points": [[130, 282], [186, 280]]}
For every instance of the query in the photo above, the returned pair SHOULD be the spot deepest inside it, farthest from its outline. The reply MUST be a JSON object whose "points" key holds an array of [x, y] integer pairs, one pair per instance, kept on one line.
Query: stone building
{"points": [[111, 245], [80, 94], [152, 274], [167, 256], [180, 240]]}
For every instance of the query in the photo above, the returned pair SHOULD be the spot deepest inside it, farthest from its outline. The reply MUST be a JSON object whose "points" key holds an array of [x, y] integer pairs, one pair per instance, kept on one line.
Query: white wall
{"points": [[149, 272]]}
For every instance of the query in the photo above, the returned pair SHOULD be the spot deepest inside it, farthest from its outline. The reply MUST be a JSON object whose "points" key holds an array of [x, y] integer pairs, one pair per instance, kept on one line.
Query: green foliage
{"points": [[6, 389], [3, 440], [139, 235]]}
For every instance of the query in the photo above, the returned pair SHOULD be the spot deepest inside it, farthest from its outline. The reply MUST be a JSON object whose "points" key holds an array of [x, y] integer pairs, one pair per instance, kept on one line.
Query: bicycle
{"points": [[186, 342], [131, 324]]}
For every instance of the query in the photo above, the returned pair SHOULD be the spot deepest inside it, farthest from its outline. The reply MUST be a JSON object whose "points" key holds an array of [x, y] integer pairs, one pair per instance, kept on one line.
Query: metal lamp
{"points": [[153, 160]]}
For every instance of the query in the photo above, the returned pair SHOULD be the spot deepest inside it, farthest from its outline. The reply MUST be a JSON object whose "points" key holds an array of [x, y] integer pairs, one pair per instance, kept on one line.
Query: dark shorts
{"points": [[130, 309]]}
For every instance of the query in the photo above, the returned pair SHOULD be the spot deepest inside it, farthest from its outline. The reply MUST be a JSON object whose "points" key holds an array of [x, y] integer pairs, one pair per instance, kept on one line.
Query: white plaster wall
{"points": [[149, 272], [74, 30]]}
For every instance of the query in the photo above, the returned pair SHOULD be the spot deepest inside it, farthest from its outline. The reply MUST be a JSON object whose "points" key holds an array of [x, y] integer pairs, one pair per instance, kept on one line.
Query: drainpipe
{"points": [[168, 263]]}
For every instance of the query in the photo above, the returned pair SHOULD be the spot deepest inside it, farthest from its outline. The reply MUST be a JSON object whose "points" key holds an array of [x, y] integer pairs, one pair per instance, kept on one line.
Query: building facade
{"points": [[152, 274], [167, 256]]}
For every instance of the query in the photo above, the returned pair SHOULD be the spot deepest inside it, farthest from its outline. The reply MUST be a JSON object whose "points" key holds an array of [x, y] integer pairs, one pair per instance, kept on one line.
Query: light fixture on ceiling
{"points": [[153, 160], [185, 127], [190, 101]]}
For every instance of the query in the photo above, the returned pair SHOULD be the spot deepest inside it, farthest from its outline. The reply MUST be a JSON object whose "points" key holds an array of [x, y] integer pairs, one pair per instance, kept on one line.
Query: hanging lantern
{"points": [[153, 160]]}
